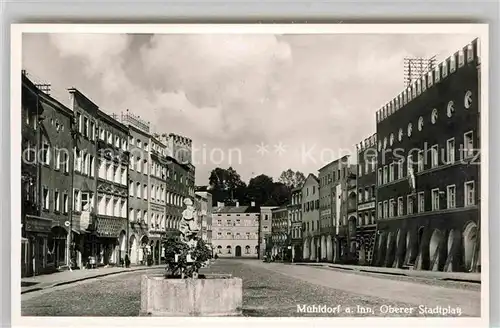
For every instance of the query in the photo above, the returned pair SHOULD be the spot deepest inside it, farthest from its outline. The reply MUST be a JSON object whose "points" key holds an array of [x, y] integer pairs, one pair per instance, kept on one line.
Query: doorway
{"points": [[238, 251]]}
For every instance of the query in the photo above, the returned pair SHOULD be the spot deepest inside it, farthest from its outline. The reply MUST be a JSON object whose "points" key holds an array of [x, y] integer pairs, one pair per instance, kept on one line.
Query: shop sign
{"points": [[366, 206], [38, 224], [158, 208]]}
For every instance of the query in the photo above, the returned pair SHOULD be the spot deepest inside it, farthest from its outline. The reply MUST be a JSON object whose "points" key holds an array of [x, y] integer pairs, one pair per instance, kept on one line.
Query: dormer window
{"points": [[391, 139], [437, 74], [400, 134], [385, 142], [453, 64], [470, 53], [461, 58], [444, 69], [420, 123], [410, 129], [430, 79]]}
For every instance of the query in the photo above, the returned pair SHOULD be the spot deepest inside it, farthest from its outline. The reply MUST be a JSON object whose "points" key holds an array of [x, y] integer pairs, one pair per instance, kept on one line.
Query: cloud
{"points": [[101, 55], [230, 91]]}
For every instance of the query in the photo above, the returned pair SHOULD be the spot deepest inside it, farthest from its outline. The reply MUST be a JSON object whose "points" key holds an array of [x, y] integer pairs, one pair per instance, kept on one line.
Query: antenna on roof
{"points": [[414, 68]]}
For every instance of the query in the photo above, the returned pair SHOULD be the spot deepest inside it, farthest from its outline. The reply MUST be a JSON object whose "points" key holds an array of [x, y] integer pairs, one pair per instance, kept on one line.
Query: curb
{"points": [[62, 283], [391, 273]]}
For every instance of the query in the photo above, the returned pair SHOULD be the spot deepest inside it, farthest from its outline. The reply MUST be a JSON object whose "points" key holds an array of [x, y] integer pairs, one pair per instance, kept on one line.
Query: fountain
{"points": [[183, 291]]}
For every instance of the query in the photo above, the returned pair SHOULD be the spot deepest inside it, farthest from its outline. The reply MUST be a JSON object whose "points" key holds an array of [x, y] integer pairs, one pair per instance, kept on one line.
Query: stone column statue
{"points": [[189, 230]]}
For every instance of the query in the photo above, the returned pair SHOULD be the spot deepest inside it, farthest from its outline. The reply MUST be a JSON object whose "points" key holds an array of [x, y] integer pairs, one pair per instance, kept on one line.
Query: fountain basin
{"points": [[213, 295]]}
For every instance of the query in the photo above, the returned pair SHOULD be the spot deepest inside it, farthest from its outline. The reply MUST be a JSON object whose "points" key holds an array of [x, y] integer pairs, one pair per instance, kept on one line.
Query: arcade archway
{"points": [[469, 238]]}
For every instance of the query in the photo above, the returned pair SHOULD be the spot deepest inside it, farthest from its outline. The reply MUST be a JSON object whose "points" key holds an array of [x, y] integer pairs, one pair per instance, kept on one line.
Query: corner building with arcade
{"points": [[428, 170]]}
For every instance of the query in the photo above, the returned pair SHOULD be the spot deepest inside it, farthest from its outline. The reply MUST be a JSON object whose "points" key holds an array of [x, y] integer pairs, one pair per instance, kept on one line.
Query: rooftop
{"points": [[236, 209]]}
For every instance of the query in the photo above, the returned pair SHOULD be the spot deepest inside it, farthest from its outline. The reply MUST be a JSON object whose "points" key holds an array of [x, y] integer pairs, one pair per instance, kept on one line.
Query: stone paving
{"points": [[269, 289], [31, 284], [451, 276], [468, 301]]}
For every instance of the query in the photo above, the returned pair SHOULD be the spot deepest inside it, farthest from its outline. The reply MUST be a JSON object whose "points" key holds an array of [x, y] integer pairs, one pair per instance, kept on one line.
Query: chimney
{"points": [[237, 204], [220, 204], [252, 204]]}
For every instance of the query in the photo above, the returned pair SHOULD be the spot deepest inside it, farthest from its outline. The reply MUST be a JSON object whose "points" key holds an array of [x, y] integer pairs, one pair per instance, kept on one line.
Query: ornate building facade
{"points": [[295, 217], [366, 201], [235, 231], [310, 203], [111, 189], [280, 228], [428, 192], [46, 176]]}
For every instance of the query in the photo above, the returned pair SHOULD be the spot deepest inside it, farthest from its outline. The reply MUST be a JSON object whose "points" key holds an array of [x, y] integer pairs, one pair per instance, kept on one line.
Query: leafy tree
{"points": [[260, 189], [226, 186], [280, 194], [292, 179]]}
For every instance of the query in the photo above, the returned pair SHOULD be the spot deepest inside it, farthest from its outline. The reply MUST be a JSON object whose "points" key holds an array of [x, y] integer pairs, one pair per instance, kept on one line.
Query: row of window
{"points": [[331, 177], [84, 163], [156, 170], [389, 173], [61, 157], [296, 199], [229, 249], [450, 110], [266, 217], [306, 227], [296, 216], [112, 172], [136, 164], [112, 206], [236, 235], [61, 200], [370, 165], [279, 223], [311, 205], [389, 208], [296, 233], [237, 222], [279, 237], [158, 221], [366, 194], [157, 193], [366, 218]]}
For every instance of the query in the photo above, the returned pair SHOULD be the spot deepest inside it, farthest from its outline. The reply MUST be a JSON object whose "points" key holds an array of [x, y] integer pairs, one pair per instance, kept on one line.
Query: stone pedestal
{"points": [[212, 296]]}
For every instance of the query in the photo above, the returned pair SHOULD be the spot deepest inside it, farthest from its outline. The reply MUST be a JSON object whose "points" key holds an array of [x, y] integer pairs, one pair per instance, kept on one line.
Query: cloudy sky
{"points": [[302, 98]]}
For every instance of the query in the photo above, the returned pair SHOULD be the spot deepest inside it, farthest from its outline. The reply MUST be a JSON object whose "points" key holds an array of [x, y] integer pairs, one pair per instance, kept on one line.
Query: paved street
{"points": [[270, 289]]}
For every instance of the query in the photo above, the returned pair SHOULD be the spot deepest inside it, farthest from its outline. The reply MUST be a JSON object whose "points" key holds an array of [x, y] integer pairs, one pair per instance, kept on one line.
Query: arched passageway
{"points": [[305, 249], [469, 238], [435, 250]]}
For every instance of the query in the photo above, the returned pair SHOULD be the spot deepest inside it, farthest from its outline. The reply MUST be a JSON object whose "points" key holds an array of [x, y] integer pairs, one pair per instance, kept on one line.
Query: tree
{"points": [[260, 189], [292, 179], [226, 186], [280, 194]]}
